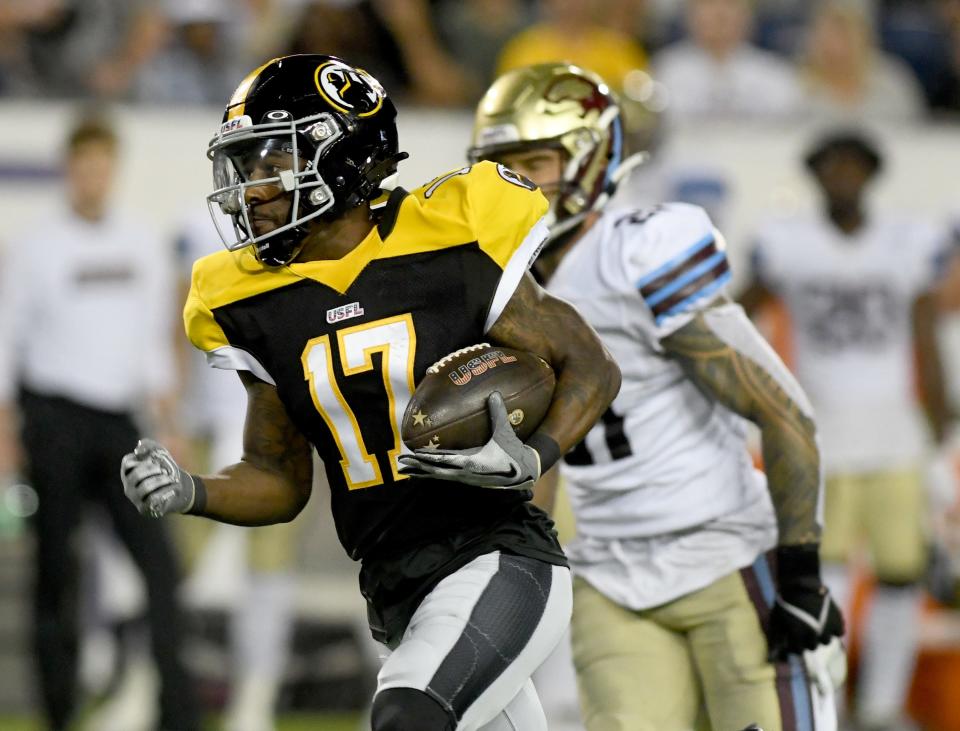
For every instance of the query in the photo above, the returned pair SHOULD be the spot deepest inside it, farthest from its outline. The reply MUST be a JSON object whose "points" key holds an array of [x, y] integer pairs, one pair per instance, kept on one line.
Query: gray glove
{"points": [[504, 462], [154, 483]]}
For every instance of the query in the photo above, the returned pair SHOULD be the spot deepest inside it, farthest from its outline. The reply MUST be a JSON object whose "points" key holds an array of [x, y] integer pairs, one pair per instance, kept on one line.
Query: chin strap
{"points": [[561, 230], [623, 170]]}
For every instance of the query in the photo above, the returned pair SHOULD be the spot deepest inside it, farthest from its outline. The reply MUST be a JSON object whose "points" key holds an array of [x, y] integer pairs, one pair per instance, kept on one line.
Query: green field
{"points": [[287, 723]]}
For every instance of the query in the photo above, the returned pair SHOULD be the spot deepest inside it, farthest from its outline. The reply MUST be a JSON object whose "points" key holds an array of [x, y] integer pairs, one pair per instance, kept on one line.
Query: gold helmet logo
{"points": [[348, 90], [582, 94]]}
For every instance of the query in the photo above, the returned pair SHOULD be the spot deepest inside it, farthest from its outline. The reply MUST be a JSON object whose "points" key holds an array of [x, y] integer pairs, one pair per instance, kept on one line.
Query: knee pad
{"points": [[408, 709]]}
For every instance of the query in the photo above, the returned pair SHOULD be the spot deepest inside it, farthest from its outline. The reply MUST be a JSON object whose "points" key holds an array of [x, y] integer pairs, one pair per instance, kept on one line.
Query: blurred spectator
{"points": [[434, 75], [395, 40], [351, 30], [857, 285], [631, 17], [16, 18], [915, 31], [267, 27], [477, 30], [198, 64], [571, 31], [718, 73], [846, 75], [85, 335], [94, 47]]}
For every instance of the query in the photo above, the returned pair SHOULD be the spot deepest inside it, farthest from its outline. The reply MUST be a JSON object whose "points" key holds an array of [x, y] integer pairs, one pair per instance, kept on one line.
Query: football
{"points": [[448, 410]]}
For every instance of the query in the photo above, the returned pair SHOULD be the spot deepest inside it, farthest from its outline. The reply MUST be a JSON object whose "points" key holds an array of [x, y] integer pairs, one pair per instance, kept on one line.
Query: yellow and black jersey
{"points": [[346, 341]]}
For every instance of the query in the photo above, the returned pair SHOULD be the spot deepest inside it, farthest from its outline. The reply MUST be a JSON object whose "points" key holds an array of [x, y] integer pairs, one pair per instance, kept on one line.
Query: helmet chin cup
{"points": [[282, 249]]}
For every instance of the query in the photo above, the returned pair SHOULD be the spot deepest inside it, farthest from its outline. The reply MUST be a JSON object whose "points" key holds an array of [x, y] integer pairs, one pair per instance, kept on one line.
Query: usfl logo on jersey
{"points": [[344, 312]]}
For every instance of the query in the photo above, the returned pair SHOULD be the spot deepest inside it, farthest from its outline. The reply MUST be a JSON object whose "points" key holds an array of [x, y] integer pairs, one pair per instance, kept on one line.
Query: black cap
{"points": [[846, 140]]}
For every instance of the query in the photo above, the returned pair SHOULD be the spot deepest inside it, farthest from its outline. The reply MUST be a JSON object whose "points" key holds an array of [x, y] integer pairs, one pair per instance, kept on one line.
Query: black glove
{"points": [[804, 614]]}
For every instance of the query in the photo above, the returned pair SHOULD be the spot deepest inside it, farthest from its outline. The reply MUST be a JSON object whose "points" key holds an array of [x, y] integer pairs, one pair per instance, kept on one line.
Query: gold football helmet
{"points": [[566, 107]]}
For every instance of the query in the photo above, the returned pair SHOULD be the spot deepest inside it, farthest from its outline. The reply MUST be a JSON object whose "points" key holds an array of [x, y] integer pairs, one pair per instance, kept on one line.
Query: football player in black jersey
{"points": [[332, 299]]}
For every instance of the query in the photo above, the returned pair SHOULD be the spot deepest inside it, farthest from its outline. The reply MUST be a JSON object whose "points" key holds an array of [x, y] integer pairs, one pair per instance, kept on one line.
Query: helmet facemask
{"points": [[247, 155]]}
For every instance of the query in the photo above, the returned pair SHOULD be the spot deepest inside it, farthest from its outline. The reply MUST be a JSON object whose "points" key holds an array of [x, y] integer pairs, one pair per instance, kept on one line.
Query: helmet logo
{"points": [[232, 125], [348, 90], [572, 88]]}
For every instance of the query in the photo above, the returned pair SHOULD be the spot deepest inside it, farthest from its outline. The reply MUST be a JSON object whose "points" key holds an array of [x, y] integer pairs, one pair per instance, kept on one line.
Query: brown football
{"points": [[449, 407]]}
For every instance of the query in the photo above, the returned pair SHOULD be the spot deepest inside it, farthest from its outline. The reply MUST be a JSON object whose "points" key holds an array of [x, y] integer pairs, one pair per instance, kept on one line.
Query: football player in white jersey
{"points": [[858, 287], [698, 583]]}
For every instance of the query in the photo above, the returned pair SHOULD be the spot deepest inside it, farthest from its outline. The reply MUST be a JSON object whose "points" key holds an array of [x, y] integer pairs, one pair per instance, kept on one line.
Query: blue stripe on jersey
{"points": [[684, 279], [765, 579], [703, 292], [800, 690], [675, 261]]}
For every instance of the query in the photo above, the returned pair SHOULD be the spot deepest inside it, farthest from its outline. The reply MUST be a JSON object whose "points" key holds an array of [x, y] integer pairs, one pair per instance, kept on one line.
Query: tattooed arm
{"points": [[272, 482], [728, 360], [587, 381], [587, 377]]}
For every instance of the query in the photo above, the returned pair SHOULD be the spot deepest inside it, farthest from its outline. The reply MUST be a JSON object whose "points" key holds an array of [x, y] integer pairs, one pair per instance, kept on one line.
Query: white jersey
{"points": [[666, 472], [850, 302], [85, 312]]}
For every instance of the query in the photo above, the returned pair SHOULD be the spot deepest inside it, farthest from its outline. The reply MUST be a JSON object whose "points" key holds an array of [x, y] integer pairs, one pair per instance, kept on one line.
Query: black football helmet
{"points": [[315, 127]]}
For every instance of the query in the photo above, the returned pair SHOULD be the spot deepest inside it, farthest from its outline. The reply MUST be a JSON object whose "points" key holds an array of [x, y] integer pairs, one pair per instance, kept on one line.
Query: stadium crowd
{"points": [[882, 57]]}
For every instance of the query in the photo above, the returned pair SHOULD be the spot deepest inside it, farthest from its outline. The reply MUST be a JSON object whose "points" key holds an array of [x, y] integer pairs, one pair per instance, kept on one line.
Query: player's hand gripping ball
{"points": [[449, 408]]}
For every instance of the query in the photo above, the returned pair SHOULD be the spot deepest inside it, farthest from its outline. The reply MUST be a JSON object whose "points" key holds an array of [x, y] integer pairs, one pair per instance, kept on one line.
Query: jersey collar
{"points": [[340, 274]]}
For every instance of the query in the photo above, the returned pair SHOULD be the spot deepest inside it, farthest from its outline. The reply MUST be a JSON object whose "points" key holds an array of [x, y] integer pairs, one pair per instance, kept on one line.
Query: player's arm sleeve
{"points": [[507, 215], [725, 356], [207, 335], [677, 261]]}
